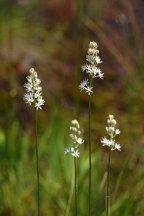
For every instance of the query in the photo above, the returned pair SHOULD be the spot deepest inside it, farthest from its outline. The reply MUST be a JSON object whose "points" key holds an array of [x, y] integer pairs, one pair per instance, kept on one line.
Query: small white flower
{"points": [[90, 69], [37, 94], [97, 73], [39, 88], [84, 67], [98, 60], [75, 122], [76, 153], [111, 121], [38, 81], [118, 147], [83, 84], [67, 150], [93, 44], [32, 70], [28, 86], [29, 98], [101, 75], [80, 141], [73, 137], [79, 132], [89, 90], [40, 102], [110, 130], [111, 117], [73, 129], [117, 131], [106, 142]]}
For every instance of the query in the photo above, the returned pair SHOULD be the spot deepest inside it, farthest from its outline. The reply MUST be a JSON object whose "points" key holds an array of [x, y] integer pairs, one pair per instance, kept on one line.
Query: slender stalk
{"points": [[70, 195], [75, 182], [107, 189], [89, 155], [37, 163], [89, 102]]}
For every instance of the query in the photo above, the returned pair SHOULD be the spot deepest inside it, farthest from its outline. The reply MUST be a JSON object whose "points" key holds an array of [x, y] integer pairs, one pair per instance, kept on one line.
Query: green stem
{"points": [[90, 149], [89, 155], [107, 189], [75, 180], [70, 196], [37, 163]]}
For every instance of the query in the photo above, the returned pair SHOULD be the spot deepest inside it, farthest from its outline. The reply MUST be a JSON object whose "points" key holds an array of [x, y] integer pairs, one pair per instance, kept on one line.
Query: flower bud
{"points": [[93, 45]]}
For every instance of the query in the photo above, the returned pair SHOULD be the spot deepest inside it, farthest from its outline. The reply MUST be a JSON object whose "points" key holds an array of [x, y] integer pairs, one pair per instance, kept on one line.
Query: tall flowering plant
{"points": [[75, 135], [91, 68], [93, 71], [33, 90], [111, 143], [34, 97]]}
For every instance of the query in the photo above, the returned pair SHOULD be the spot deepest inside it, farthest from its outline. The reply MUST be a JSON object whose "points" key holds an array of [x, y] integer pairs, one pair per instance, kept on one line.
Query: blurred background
{"points": [[53, 37]]}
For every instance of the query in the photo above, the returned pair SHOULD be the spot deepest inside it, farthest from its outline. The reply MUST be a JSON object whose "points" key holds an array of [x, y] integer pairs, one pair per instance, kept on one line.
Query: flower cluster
{"points": [[34, 90], [112, 132], [91, 68], [75, 135]]}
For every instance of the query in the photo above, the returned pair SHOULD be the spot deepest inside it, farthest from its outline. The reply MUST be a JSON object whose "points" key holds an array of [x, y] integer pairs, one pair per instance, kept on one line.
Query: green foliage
{"points": [[18, 176]]}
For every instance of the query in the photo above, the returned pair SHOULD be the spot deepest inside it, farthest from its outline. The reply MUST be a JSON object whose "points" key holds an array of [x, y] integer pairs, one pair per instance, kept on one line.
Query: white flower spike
{"points": [[34, 90], [75, 133], [112, 132], [91, 68]]}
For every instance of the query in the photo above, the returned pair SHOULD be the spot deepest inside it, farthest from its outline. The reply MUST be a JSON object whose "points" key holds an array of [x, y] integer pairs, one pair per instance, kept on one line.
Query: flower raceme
{"points": [[112, 132], [34, 90], [91, 68], [75, 135]]}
